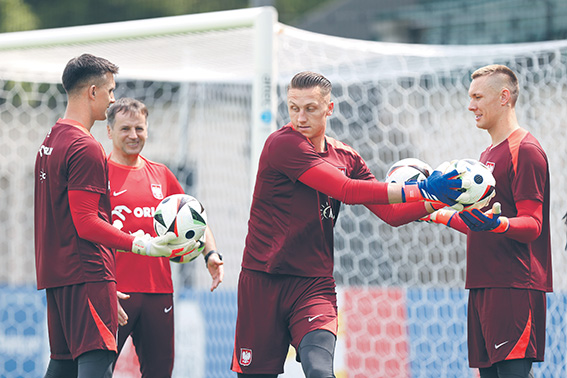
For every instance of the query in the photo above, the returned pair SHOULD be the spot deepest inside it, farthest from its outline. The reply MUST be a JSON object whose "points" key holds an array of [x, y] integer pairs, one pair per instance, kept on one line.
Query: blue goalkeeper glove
{"points": [[438, 187], [491, 221]]}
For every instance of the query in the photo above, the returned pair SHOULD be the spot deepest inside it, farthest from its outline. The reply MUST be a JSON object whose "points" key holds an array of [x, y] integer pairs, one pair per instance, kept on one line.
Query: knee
{"points": [[316, 352]]}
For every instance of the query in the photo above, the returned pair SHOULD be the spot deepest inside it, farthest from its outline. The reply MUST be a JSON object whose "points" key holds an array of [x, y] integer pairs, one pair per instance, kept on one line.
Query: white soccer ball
{"points": [[409, 169], [479, 184], [185, 216]]}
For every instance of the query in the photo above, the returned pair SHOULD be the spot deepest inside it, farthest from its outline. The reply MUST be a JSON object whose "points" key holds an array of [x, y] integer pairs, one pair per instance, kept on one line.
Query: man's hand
{"points": [[491, 221], [216, 269], [442, 188], [122, 315], [161, 246]]}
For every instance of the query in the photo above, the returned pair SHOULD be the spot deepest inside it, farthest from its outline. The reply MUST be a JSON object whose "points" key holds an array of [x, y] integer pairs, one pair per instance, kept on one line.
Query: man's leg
{"points": [[132, 307], [153, 337], [316, 351], [96, 364], [490, 372], [61, 369], [521, 368]]}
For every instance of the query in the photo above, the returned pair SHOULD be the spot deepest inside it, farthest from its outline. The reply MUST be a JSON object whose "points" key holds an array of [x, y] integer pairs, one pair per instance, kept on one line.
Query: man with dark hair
{"points": [[137, 185], [286, 290], [73, 234]]}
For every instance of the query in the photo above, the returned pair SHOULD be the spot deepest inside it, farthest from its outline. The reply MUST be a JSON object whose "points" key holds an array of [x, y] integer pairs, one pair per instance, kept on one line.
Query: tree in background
{"points": [[18, 15]]}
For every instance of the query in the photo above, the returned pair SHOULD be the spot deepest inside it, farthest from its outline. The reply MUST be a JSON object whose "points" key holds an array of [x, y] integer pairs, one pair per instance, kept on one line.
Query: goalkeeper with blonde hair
{"points": [[508, 247]]}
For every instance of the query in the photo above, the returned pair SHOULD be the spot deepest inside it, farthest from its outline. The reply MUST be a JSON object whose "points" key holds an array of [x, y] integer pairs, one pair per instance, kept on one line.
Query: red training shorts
{"points": [[275, 311], [505, 324], [82, 318]]}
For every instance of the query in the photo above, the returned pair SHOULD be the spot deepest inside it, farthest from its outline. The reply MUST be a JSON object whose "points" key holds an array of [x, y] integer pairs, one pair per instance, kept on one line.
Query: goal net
{"points": [[215, 86]]}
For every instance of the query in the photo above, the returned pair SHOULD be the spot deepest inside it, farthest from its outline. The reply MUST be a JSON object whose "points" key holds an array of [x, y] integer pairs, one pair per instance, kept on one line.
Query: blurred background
{"points": [[400, 72], [406, 21]]}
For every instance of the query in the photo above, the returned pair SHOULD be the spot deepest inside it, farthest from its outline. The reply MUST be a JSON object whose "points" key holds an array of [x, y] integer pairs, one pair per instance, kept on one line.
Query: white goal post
{"points": [[261, 71], [215, 85]]}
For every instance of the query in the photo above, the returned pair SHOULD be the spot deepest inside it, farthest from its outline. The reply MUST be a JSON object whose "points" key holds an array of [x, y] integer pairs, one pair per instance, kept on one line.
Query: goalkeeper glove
{"points": [[442, 216], [491, 221], [438, 187], [160, 246], [190, 255]]}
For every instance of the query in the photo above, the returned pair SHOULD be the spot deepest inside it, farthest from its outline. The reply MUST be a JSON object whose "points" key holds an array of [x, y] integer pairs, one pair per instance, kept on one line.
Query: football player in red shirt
{"points": [[286, 289], [137, 185], [508, 248], [74, 258]]}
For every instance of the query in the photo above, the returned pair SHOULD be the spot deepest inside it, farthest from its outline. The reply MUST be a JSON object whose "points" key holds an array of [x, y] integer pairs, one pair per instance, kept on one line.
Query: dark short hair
{"points": [[126, 105], [84, 69], [308, 79], [500, 69]]}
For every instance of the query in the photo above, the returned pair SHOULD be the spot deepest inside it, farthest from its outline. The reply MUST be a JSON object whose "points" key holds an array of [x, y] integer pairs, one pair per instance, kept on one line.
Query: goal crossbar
{"points": [[132, 29]]}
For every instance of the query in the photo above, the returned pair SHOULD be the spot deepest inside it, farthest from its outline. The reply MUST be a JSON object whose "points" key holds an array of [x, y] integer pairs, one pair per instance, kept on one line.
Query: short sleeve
{"points": [[173, 185], [292, 154], [531, 173], [86, 164], [361, 170]]}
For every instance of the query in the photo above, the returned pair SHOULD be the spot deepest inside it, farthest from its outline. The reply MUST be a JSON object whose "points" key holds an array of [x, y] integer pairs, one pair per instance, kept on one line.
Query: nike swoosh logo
{"points": [[496, 346], [120, 192], [310, 319], [166, 310]]}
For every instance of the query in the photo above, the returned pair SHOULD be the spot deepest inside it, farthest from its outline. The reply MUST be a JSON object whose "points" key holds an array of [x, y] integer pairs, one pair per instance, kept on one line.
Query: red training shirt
{"points": [[290, 230], [135, 192], [521, 170], [69, 159]]}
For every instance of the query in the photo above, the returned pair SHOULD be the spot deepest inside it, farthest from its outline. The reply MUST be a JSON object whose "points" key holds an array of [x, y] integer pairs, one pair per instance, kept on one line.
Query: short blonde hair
{"points": [[511, 81]]}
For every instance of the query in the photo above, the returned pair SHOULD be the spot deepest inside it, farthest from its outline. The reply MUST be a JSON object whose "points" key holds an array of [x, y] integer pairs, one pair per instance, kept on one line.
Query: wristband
{"points": [[411, 193], [434, 204], [444, 217], [503, 226], [209, 255]]}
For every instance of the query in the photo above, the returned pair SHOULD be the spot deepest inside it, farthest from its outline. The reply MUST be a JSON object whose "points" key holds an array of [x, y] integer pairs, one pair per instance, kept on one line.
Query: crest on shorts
{"points": [[245, 356], [156, 191]]}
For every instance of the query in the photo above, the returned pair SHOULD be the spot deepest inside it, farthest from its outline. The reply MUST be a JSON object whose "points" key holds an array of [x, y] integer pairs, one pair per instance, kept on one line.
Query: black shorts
{"points": [[82, 318]]}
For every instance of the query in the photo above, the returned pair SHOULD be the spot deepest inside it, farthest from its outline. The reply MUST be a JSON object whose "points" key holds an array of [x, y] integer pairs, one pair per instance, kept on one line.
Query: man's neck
{"points": [[320, 144], [84, 120], [127, 160], [504, 129]]}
